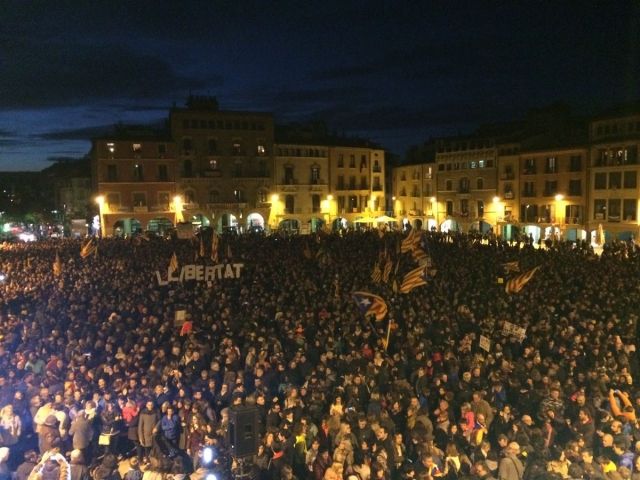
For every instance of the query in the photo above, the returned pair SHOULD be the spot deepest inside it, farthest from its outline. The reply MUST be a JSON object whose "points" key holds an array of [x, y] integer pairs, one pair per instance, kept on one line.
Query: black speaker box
{"points": [[243, 431]]}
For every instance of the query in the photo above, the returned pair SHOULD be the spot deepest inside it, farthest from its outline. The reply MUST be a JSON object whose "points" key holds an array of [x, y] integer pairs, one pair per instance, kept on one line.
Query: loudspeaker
{"points": [[243, 431]]}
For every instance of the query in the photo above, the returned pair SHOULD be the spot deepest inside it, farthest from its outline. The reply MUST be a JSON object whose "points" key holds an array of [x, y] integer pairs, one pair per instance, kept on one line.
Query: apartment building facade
{"points": [[135, 175], [466, 184], [613, 176]]}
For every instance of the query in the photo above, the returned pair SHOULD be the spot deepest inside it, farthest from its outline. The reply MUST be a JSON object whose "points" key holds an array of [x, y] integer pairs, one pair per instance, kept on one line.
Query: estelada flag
{"points": [[57, 266], [370, 304], [516, 284]]}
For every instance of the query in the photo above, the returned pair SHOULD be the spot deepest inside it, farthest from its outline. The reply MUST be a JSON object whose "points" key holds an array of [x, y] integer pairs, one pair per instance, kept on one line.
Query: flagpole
{"points": [[386, 344]]}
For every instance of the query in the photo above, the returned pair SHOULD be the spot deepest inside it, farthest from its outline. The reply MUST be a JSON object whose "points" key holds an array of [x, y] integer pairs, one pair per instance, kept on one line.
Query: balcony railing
{"points": [[226, 205], [508, 195]]}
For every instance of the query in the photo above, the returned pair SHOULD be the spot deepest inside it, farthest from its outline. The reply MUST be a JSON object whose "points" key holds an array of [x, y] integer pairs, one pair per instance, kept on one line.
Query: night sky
{"points": [[396, 72]]}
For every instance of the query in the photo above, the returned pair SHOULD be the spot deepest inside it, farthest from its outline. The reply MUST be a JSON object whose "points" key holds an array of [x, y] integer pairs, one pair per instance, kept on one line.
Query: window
{"points": [[236, 148], [163, 173], [315, 175], [353, 203], [163, 199], [138, 175], [575, 188], [449, 207], [288, 175], [340, 161], [615, 181], [113, 200], [352, 182], [600, 181], [448, 185], [479, 184], [363, 182], [481, 164], [529, 189], [189, 196], [341, 203], [376, 166], [213, 164], [441, 167], [464, 206], [261, 150], [550, 165], [315, 203], [112, 173], [262, 196], [629, 209], [137, 148], [614, 210], [530, 166], [187, 145], [111, 147], [550, 188], [480, 208], [352, 161], [187, 169], [340, 182], [214, 196], [575, 164], [289, 204], [262, 168], [630, 179], [139, 199], [600, 209], [463, 185], [213, 146], [237, 169], [162, 149], [238, 195], [363, 162]]}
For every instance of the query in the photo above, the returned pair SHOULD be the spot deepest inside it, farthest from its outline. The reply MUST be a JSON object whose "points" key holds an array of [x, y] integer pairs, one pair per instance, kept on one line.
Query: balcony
{"points": [[573, 220], [234, 205], [377, 169], [378, 188], [212, 172], [507, 176], [550, 171], [529, 193], [140, 209], [289, 181], [508, 195], [529, 171], [159, 208], [190, 206], [463, 190]]}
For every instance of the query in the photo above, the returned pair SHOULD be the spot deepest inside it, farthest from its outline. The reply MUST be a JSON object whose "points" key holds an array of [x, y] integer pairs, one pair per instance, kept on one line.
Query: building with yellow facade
{"points": [[466, 184], [613, 177]]}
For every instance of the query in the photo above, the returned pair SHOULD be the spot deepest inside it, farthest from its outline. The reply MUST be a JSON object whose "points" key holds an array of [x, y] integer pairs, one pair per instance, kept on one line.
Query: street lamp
{"points": [[559, 197], [100, 202], [177, 206]]}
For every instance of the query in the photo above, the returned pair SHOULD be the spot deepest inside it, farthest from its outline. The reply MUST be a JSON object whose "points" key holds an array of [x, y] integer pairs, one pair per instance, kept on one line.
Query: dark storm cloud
{"points": [[50, 74], [78, 133]]}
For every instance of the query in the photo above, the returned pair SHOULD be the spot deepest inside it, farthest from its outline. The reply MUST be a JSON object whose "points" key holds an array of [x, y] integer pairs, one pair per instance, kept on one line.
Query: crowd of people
{"points": [[97, 369]]}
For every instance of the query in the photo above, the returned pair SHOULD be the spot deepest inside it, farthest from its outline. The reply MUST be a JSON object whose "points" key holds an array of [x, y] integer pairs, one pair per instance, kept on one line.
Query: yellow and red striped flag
{"points": [[413, 279], [517, 283], [376, 275], [411, 241], [215, 243], [89, 248], [173, 262], [57, 266], [388, 266], [370, 304]]}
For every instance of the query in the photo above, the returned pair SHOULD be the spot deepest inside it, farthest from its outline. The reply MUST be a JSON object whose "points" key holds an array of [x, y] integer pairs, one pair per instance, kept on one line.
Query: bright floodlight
{"points": [[559, 197], [211, 476]]}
